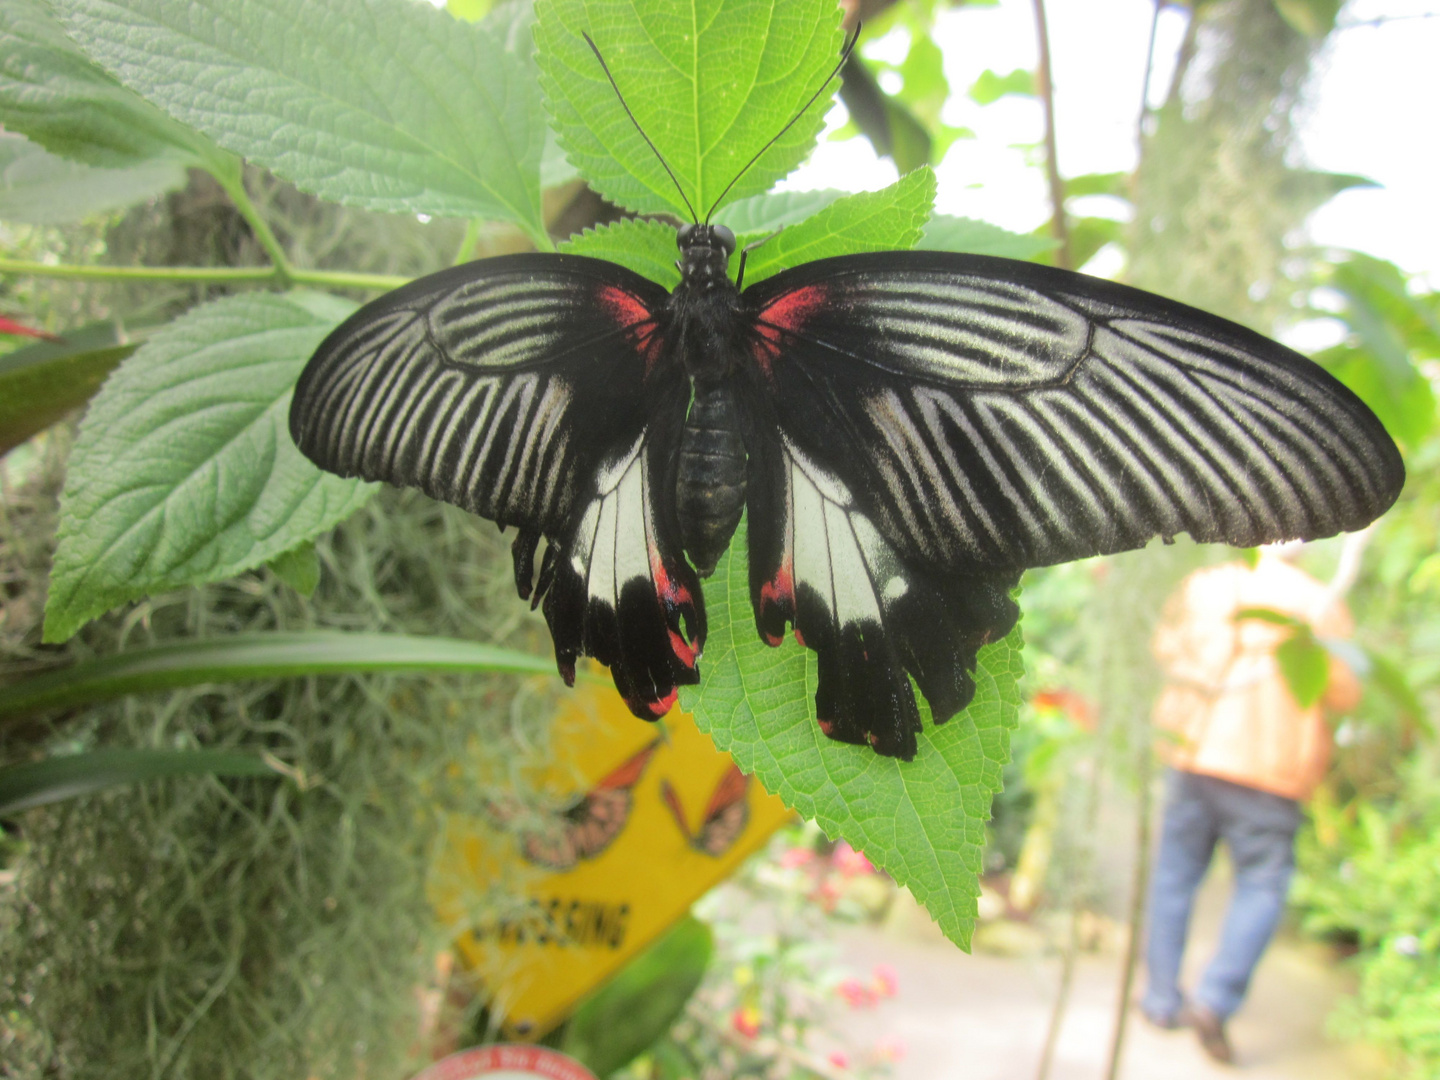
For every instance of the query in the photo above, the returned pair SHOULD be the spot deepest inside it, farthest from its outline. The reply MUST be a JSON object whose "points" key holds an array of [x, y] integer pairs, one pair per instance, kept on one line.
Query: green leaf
{"points": [[39, 188], [647, 247], [385, 104], [1406, 406], [184, 471], [1112, 183], [893, 130], [1267, 615], [40, 383], [299, 568], [762, 214], [886, 220], [36, 784], [52, 93], [617, 1023], [991, 87], [1089, 234], [1313, 18], [256, 656], [1305, 664], [710, 84], [947, 233], [922, 821]]}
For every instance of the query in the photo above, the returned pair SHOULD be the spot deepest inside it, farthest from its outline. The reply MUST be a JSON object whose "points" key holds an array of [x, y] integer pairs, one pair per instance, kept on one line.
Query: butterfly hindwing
{"points": [[870, 613], [997, 414], [527, 389]]}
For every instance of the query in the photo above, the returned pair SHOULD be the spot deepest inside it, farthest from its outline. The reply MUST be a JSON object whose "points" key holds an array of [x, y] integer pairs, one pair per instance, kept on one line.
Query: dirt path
{"points": [[983, 1017]]}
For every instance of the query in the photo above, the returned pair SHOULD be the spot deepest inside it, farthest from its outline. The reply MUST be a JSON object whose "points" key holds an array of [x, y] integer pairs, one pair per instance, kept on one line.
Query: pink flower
{"points": [[796, 857], [746, 1020], [838, 1059], [891, 1048], [855, 993], [849, 861], [884, 982]]}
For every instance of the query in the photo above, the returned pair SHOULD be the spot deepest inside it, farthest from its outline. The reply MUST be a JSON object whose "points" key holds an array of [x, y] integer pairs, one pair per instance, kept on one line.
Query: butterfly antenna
{"points": [[671, 172], [844, 56]]}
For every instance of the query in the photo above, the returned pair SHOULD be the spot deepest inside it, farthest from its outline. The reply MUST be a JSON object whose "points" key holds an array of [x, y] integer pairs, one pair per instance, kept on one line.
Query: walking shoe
{"points": [[1210, 1030]]}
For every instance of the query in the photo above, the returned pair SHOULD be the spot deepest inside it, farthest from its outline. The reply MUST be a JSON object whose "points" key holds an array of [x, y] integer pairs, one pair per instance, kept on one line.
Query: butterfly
{"points": [[904, 431], [726, 815]]}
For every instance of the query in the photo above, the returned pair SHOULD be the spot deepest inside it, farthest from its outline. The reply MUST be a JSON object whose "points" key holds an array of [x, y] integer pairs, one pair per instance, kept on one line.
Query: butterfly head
{"points": [[705, 251]]}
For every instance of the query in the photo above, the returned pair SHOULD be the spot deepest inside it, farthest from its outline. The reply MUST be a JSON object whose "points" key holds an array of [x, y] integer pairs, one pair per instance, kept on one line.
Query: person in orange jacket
{"points": [[1243, 755]]}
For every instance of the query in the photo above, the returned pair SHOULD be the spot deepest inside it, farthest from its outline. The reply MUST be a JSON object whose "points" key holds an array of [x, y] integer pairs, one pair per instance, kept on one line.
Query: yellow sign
{"points": [[652, 817]]}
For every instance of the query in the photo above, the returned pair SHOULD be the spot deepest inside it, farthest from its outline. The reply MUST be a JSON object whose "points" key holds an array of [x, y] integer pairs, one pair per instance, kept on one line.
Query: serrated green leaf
{"points": [[183, 471], [52, 93], [891, 219], [40, 383], [385, 104], [922, 821], [709, 83], [39, 188], [991, 86], [40, 783], [945, 232], [647, 247]]}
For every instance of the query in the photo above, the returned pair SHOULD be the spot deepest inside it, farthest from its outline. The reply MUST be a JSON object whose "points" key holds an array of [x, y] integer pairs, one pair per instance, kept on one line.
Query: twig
{"points": [[1145, 756], [1058, 226]]}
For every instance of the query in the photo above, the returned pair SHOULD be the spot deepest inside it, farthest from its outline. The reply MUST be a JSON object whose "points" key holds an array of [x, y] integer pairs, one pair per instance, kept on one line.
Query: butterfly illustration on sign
{"points": [[904, 431], [589, 826], [725, 818]]}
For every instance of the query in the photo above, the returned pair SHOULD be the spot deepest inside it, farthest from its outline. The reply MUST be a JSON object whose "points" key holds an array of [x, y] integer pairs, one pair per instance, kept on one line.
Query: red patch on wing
{"points": [[777, 597], [660, 708], [674, 597], [629, 312], [826, 726], [787, 313]]}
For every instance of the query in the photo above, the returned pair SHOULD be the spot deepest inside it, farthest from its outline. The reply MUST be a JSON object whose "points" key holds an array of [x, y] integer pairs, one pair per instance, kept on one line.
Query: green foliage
{"points": [[1392, 329], [637, 1007], [710, 83], [39, 188], [1377, 882], [40, 383], [647, 247], [991, 86], [52, 93], [774, 210], [922, 821], [184, 471], [457, 129], [947, 233], [66, 776], [885, 220]]}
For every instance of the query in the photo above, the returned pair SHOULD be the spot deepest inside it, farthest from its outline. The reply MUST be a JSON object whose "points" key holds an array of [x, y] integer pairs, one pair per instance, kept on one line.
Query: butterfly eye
{"points": [[724, 237], [682, 237]]}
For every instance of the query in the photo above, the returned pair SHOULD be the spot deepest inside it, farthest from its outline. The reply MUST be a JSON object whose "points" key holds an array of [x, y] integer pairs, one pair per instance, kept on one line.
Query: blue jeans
{"points": [[1259, 829]]}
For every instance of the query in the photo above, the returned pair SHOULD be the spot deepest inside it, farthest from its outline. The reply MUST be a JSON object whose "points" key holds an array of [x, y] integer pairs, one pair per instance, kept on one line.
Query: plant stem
{"points": [[1058, 226], [209, 275], [467, 245], [233, 181]]}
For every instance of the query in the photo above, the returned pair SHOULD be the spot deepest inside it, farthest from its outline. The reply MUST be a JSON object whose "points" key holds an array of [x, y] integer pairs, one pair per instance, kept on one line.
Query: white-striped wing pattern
{"points": [[499, 391], [1005, 415]]}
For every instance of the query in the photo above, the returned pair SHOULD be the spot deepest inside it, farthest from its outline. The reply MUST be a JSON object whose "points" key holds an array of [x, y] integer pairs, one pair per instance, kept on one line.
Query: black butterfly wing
{"points": [[968, 417], [529, 389]]}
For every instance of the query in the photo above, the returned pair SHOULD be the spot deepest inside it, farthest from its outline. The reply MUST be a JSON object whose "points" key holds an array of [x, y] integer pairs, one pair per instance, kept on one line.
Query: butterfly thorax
{"points": [[705, 313]]}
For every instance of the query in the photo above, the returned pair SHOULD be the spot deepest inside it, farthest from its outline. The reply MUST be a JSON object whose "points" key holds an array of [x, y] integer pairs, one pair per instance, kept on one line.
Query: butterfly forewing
{"points": [[527, 389], [994, 414]]}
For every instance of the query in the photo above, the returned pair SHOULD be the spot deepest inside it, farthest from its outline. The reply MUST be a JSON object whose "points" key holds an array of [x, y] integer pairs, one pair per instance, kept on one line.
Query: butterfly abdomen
{"points": [[710, 486]]}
